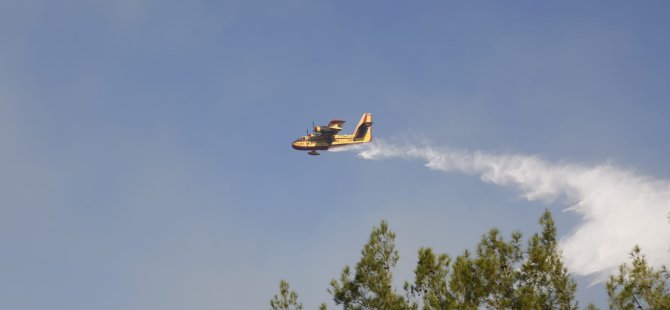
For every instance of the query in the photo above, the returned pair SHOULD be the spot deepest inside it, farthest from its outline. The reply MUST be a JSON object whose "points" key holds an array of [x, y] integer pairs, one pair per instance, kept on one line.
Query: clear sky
{"points": [[145, 158]]}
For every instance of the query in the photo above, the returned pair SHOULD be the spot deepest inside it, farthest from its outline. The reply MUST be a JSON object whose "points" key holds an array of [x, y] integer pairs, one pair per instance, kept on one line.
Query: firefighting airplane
{"points": [[325, 137]]}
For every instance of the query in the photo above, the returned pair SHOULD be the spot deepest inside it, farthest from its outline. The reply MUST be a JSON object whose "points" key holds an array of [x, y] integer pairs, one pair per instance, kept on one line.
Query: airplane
{"points": [[325, 137]]}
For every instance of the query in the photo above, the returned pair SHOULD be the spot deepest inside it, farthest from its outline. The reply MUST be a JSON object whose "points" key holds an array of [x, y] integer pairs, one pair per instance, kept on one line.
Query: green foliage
{"points": [[591, 307], [286, 300], [495, 269], [638, 286], [545, 282], [499, 275], [502, 275], [371, 287], [431, 281], [465, 284]]}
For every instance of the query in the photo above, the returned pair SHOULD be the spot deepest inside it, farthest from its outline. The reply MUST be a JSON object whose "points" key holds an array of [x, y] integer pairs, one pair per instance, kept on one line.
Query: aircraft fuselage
{"points": [[316, 142], [325, 137]]}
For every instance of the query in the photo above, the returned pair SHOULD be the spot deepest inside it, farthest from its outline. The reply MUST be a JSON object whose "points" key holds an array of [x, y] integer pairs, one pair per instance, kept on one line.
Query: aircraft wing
{"points": [[331, 129], [336, 123], [327, 133]]}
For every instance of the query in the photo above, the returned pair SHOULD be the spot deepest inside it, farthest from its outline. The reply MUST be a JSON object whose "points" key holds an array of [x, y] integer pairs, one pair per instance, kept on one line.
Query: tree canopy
{"points": [[499, 274], [638, 285], [287, 298]]}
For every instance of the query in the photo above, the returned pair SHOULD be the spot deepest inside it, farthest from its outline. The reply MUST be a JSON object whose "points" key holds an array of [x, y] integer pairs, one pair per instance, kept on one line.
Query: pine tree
{"points": [[371, 286], [286, 300], [545, 282], [495, 269], [501, 275], [464, 283], [638, 285], [431, 281]]}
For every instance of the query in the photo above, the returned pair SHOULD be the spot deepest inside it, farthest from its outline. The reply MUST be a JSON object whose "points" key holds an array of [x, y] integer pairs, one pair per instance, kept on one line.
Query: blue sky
{"points": [[146, 160]]}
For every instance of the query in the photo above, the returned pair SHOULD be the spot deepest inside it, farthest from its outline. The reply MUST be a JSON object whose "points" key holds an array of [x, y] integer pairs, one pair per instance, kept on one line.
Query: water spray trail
{"points": [[347, 148], [618, 208]]}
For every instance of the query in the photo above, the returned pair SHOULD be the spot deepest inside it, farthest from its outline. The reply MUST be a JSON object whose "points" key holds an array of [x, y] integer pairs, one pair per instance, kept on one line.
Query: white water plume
{"points": [[347, 148], [618, 208]]}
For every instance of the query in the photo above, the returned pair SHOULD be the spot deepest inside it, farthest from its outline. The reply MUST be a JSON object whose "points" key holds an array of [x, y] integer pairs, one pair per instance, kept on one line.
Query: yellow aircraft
{"points": [[325, 137]]}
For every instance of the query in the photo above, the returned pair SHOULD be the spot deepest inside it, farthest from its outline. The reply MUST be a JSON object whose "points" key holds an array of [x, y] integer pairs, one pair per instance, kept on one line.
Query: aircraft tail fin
{"points": [[364, 129]]}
